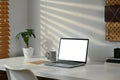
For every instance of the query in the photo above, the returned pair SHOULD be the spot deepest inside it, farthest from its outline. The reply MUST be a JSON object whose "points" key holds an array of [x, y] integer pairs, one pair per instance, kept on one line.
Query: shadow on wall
{"points": [[46, 46], [73, 18]]}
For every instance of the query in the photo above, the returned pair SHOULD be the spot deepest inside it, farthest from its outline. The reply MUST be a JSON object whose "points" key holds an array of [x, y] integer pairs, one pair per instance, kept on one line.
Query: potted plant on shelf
{"points": [[26, 35]]}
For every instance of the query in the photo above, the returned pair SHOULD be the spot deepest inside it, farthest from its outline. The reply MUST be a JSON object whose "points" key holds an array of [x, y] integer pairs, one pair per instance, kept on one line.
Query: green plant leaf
{"points": [[26, 36]]}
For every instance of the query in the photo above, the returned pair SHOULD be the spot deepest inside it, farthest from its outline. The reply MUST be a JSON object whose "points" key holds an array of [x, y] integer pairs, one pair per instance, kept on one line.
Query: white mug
{"points": [[51, 55]]}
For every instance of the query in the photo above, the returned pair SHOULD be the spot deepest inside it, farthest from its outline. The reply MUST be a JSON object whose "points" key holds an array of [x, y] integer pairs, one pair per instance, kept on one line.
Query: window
{"points": [[4, 29]]}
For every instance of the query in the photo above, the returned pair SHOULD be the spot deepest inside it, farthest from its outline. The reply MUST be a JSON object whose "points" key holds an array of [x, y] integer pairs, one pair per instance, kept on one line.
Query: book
{"points": [[113, 60]]}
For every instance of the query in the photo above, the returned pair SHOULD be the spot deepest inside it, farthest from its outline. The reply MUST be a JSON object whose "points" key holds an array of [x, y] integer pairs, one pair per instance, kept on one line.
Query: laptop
{"points": [[72, 53]]}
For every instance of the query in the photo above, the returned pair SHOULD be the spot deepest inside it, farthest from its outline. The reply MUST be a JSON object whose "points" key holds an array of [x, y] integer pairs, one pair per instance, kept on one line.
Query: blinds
{"points": [[4, 29]]}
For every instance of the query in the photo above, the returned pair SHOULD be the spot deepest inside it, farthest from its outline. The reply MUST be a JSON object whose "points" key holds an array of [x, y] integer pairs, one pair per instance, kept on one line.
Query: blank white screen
{"points": [[74, 50]]}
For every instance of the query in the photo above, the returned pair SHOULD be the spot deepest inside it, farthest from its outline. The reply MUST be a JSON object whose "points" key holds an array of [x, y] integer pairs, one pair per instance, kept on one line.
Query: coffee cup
{"points": [[51, 55], [117, 53]]}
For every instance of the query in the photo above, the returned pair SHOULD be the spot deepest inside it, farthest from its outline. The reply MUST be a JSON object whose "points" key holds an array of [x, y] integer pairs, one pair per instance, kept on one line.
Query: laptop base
{"points": [[63, 65]]}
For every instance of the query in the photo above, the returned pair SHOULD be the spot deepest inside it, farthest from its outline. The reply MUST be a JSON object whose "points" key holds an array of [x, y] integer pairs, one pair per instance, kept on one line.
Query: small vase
{"points": [[28, 52]]}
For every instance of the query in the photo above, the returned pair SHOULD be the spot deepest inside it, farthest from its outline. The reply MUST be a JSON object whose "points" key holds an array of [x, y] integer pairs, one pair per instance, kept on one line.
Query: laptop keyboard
{"points": [[66, 62], [65, 65]]}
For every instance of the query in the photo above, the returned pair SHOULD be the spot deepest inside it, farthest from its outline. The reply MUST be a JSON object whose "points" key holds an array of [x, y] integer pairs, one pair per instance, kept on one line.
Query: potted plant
{"points": [[26, 35]]}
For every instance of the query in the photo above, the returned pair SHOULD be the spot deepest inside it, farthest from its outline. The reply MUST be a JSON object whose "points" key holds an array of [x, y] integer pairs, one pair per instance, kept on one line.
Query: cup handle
{"points": [[48, 55]]}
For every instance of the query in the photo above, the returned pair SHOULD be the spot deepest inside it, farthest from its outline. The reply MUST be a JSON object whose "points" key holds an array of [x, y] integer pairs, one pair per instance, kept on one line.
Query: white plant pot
{"points": [[28, 52]]}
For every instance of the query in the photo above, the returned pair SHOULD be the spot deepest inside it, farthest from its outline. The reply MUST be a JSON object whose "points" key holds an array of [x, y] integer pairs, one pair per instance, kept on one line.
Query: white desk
{"points": [[87, 72]]}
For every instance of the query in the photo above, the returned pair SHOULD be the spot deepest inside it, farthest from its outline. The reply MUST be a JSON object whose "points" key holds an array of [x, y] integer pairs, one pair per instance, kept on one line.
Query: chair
{"points": [[19, 74]]}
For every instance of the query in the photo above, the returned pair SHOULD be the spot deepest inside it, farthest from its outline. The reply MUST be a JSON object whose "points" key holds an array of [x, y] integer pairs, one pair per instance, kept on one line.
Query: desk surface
{"points": [[87, 72]]}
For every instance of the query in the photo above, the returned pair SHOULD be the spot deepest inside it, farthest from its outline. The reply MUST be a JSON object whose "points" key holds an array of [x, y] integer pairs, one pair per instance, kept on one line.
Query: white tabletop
{"points": [[87, 72]]}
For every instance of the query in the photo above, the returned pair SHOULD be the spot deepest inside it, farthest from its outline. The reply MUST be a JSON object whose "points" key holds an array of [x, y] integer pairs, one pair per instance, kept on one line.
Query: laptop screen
{"points": [[72, 49]]}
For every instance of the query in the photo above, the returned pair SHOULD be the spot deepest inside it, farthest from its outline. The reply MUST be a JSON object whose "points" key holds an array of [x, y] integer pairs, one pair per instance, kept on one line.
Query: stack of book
{"points": [[113, 60]]}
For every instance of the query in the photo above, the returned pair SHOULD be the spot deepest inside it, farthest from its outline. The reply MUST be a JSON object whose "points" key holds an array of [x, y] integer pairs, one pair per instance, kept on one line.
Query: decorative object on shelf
{"points": [[112, 20], [26, 35], [112, 31], [117, 53], [112, 2]]}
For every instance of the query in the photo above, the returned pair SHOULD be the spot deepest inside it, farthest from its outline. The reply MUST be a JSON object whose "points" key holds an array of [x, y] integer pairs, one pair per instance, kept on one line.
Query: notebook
{"points": [[72, 53]]}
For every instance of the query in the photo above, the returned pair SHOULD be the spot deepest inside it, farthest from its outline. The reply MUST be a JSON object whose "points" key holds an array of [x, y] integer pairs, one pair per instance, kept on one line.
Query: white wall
{"points": [[34, 22], [53, 19], [18, 22]]}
